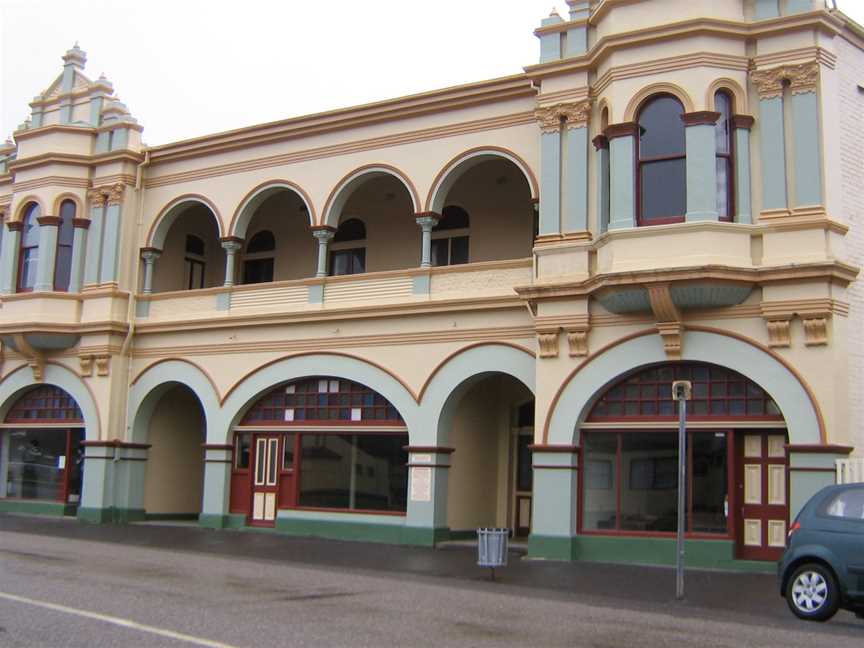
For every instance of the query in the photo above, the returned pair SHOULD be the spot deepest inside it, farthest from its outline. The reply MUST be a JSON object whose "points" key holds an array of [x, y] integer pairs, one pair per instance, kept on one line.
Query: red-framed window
{"points": [[718, 393], [45, 404], [28, 255], [661, 164], [725, 156], [322, 400], [65, 237]]}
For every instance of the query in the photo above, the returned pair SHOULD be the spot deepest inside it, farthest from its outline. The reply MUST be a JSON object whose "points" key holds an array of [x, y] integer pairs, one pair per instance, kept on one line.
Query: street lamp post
{"points": [[681, 391]]}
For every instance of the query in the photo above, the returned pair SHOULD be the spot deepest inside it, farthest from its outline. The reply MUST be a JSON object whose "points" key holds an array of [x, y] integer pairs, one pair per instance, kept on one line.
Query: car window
{"points": [[848, 504]]}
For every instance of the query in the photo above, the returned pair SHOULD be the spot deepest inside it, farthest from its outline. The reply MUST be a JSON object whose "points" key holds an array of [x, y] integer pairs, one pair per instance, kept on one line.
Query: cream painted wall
{"points": [[480, 481], [296, 248], [174, 477], [170, 270]]}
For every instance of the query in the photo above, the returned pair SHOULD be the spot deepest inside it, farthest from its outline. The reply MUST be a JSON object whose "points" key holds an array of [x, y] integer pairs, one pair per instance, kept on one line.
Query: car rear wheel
{"points": [[812, 593]]}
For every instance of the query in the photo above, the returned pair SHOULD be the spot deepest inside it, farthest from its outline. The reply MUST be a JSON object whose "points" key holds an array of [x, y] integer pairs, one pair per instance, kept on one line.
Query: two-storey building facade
{"points": [[463, 308]]}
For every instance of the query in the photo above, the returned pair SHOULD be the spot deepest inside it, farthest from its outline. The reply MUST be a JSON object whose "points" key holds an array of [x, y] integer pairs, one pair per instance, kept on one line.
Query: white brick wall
{"points": [[850, 69]]}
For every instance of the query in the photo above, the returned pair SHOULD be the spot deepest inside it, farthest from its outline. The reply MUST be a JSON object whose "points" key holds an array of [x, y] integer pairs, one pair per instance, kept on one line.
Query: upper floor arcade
{"points": [[636, 146]]}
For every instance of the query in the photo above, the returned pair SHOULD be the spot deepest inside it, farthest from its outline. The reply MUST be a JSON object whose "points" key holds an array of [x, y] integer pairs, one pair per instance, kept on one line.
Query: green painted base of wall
{"points": [[172, 516], [462, 534], [36, 507], [111, 515], [338, 530], [230, 521], [424, 536], [704, 554]]}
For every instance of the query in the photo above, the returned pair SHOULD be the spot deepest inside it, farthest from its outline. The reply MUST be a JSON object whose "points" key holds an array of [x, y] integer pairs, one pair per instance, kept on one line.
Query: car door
{"points": [[843, 525]]}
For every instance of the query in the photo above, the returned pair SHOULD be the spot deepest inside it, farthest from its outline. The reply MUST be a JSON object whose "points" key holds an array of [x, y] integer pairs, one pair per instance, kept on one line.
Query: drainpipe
{"points": [[139, 221]]}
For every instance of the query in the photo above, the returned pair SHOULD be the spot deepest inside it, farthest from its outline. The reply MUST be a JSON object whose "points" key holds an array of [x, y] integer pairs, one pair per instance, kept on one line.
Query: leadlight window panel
{"points": [[321, 400], [47, 404], [717, 392]]}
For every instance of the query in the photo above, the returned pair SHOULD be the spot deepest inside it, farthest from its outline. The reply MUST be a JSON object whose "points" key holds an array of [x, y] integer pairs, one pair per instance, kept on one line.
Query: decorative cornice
{"points": [[49, 220], [548, 119], [81, 223], [573, 115], [623, 129], [95, 197], [700, 118], [742, 121], [802, 78], [14, 226], [114, 195]]}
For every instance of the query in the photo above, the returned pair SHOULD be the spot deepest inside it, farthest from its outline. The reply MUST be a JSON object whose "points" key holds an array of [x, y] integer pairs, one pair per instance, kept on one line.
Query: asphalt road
{"points": [[65, 584]]}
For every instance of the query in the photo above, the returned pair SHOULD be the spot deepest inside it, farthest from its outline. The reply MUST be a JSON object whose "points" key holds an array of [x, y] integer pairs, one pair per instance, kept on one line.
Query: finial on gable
{"points": [[75, 57]]}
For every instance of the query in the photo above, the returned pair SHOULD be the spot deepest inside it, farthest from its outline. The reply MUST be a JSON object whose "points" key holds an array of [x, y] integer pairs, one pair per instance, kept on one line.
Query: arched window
{"points": [[662, 177], [450, 237], [258, 262], [65, 236], [29, 253], [43, 456], [346, 257], [725, 156], [195, 264]]}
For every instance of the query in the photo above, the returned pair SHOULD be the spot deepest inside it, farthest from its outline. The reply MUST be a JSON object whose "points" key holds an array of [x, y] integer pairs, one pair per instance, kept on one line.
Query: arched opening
{"points": [[174, 476], [736, 459], [383, 205], [492, 193], [28, 255], [489, 422], [192, 257], [41, 452], [319, 443], [280, 245], [65, 237], [661, 160]]}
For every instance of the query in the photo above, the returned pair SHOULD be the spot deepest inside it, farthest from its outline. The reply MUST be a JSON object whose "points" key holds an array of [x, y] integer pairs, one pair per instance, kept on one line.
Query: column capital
{"points": [[700, 118], [95, 196], [548, 119], [15, 226], [81, 223], [802, 78], [576, 115], [231, 243], [150, 253], [427, 220], [600, 142], [323, 232], [624, 129], [115, 194], [742, 121], [49, 220]]}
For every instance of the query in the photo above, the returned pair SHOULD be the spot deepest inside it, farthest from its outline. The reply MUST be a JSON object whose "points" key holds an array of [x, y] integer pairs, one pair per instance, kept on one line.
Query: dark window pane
{"points": [[524, 472], [242, 445], [352, 229], [194, 245], [459, 250], [649, 462], [340, 263], [37, 464], [723, 106], [599, 496], [440, 252], [66, 231], [453, 218], [661, 128], [263, 241], [723, 176], [29, 261], [257, 271], [288, 452], [663, 189], [710, 482], [30, 232], [63, 267], [359, 261]]}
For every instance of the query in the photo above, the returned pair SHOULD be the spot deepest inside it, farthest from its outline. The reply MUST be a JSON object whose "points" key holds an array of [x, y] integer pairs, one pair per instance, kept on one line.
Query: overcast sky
{"points": [[191, 67]]}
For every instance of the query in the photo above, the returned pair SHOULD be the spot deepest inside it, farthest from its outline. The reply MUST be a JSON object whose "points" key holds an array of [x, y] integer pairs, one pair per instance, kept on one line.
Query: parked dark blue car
{"points": [[822, 569]]}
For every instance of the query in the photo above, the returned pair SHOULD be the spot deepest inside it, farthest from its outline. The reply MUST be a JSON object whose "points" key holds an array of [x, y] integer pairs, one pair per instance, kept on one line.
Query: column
{"points": [[742, 125], [217, 486], [324, 234], [149, 256], [79, 253], [93, 257], [231, 245], [622, 174], [108, 268], [98, 478], [701, 148], [9, 257], [769, 84], [804, 79], [48, 226], [427, 221], [576, 178], [555, 502], [601, 158], [550, 170], [426, 518]]}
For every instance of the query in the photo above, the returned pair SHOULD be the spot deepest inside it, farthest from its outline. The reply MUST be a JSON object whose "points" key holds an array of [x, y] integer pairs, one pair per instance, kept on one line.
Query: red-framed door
{"points": [[266, 460], [762, 494]]}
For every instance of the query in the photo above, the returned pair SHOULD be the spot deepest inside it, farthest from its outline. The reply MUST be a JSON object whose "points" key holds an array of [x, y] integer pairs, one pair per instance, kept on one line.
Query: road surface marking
{"points": [[125, 623]]}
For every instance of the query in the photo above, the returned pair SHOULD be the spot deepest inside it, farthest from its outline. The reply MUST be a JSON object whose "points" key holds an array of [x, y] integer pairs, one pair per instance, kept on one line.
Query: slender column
{"points": [[79, 253], [111, 235], [93, 257], [622, 175], [9, 257], [324, 234], [550, 170], [601, 146], [149, 256], [769, 84], [427, 220], [576, 178], [48, 227], [231, 245], [805, 131], [742, 125], [701, 143]]}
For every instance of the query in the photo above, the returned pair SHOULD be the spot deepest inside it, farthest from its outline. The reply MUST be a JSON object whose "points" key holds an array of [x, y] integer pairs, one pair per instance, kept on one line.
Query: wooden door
{"points": [[265, 479], [762, 495]]}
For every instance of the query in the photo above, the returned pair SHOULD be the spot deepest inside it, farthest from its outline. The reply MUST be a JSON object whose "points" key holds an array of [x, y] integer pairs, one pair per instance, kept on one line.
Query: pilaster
{"points": [[9, 257], [805, 134], [769, 84], [549, 120], [79, 252], [743, 192], [601, 158], [48, 227], [94, 244], [556, 502], [426, 520], [111, 234], [576, 117], [217, 485], [622, 175], [701, 143]]}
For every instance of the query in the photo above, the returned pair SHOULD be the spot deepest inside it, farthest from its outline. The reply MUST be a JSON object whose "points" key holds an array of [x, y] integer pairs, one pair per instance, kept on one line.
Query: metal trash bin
{"points": [[492, 548]]}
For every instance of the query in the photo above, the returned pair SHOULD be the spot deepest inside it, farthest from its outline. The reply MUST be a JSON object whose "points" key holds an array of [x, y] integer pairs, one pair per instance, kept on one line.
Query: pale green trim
{"points": [[9, 260], [808, 166], [701, 163], [93, 258], [47, 258], [602, 160], [773, 153], [576, 181], [550, 183], [767, 9], [743, 197], [79, 253], [110, 244], [622, 183]]}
